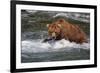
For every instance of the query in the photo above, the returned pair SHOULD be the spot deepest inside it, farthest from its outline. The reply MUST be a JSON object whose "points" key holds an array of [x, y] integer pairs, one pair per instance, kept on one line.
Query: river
{"points": [[34, 50]]}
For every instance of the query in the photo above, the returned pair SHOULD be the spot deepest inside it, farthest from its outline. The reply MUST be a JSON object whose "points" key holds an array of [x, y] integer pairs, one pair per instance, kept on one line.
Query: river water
{"points": [[34, 50]]}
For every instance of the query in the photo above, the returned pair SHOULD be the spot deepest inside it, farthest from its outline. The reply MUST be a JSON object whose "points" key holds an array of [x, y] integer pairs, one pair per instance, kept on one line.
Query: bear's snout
{"points": [[53, 34]]}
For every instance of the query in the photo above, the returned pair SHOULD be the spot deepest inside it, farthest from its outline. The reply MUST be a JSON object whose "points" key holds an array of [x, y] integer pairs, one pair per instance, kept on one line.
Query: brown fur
{"points": [[66, 30]]}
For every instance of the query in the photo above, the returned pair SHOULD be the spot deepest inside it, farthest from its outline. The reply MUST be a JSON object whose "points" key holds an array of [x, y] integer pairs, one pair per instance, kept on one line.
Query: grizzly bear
{"points": [[62, 29]]}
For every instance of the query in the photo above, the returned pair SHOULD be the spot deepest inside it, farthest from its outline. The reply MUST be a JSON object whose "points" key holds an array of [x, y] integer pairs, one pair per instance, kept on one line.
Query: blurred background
{"points": [[33, 20]]}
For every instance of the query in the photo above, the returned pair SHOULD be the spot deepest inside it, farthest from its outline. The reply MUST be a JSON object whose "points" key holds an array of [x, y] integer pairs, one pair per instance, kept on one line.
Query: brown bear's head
{"points": [[54, 30]]}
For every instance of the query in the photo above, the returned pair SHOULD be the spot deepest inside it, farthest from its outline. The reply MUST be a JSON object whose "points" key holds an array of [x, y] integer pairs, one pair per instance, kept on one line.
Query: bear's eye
{"points": [[50, 31]]}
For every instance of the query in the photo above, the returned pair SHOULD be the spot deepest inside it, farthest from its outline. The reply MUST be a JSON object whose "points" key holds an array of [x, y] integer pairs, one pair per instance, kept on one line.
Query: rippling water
{"points": [[34, 50]]}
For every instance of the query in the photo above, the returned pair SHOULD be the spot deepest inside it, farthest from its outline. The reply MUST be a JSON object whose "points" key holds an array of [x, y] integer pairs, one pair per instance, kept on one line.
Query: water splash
{"points": [[34, 46]]}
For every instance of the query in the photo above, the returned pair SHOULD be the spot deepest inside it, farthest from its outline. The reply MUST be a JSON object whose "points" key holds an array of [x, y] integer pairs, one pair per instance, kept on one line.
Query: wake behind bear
{"points": [[62, 29]]}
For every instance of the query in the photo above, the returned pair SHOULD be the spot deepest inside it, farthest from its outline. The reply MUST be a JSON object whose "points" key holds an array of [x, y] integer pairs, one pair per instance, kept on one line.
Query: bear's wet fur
{"points": [[62, 29]]}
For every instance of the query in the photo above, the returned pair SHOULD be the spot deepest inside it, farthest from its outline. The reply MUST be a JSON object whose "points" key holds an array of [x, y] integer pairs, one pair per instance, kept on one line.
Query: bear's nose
{"points": [[53, 35], [53, 38]]}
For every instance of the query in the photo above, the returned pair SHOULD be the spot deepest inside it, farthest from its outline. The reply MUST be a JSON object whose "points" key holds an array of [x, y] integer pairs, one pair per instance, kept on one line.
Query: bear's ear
{"points": [[48, 25], [59, 25]]}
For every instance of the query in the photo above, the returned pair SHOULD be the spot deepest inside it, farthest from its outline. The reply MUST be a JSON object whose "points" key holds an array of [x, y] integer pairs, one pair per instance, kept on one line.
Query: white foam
{"points": [[39, 46]]}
